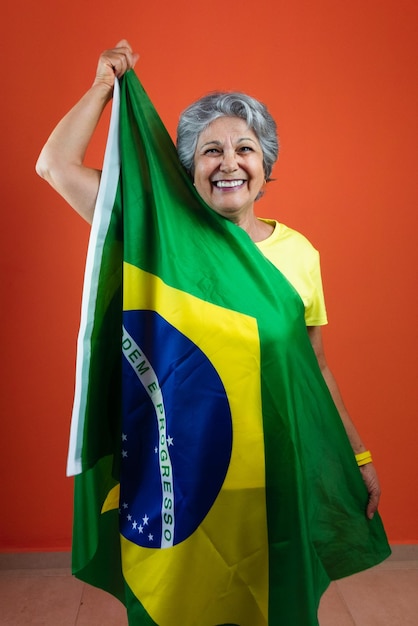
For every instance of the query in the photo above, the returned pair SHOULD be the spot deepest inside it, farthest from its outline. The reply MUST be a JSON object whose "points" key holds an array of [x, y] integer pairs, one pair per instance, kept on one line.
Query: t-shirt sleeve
{"points": [[315, 310], [299, 261]]}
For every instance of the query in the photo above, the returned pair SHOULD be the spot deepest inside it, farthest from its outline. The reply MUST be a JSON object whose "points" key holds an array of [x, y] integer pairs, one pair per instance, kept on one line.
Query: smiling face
{"points": [[229, 172]]}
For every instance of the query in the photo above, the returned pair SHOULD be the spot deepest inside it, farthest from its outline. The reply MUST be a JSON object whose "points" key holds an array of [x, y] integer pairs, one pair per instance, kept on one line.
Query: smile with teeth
{"points": [[228, 184]]}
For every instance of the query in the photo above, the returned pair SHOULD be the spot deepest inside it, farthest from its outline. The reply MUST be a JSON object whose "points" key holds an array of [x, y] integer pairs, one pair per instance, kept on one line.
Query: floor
{"points": [[38, 590]]}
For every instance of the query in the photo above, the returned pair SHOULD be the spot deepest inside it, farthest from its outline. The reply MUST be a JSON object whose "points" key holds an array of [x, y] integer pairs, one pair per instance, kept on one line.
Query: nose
{"points": [[229, 161]]}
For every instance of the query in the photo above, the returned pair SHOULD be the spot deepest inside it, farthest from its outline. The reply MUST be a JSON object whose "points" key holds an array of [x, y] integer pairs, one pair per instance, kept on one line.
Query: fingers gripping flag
{"points": [[214, 480]]}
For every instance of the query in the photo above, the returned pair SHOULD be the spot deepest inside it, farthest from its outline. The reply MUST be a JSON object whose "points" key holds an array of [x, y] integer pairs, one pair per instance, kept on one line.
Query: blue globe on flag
{"points": [[176, 433]]}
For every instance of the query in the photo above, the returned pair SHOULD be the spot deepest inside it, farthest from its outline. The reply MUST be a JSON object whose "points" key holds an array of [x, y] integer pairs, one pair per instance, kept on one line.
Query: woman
{"points": [[227, 153], [227, 143]]}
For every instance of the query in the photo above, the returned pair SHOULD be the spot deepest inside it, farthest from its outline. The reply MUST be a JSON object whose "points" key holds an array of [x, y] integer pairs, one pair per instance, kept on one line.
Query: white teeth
{"points": [[228, 183]]}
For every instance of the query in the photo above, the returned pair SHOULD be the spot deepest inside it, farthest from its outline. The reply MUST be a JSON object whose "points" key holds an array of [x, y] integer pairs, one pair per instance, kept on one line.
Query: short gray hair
{"points": [[197, 117]]}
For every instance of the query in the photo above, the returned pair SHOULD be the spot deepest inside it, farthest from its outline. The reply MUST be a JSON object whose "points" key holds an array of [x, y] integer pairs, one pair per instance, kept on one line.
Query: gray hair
{"points": [[197, 117]]}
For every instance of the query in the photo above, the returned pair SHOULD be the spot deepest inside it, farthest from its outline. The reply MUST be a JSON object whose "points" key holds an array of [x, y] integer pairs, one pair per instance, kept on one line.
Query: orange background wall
{"points": [[341, 80]]}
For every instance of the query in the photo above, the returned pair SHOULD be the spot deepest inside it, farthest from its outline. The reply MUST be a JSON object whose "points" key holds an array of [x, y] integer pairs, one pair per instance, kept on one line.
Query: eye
{"points": [[212, 151], [246, 149]]}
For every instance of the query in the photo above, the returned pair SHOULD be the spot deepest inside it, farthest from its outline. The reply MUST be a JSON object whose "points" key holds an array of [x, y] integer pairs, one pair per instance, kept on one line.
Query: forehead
{"points": [[227, 128]]}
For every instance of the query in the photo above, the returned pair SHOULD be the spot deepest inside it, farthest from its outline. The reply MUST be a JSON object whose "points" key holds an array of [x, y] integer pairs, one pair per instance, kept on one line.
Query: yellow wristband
{"points": [[363, 458]]}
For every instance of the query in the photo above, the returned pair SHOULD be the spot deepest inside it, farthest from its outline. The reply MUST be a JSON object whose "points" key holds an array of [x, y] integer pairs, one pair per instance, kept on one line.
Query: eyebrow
{"points": [[218, 143]]}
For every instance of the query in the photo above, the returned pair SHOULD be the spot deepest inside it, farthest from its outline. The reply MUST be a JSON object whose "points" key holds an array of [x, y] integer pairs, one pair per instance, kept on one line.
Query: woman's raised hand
{"points": [[115, 62], [61, 161]]}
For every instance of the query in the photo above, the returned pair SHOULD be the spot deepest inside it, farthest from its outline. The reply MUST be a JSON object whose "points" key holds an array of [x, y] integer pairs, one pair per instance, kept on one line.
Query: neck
{"points": [[257, 230]]}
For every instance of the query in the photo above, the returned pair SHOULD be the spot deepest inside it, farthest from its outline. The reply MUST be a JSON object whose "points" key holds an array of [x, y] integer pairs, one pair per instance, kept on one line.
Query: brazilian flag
{"points": [[215, 484]]}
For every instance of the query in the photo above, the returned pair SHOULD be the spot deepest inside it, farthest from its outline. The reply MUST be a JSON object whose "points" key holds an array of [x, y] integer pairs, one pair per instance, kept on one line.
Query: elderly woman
{"points": [[228, 145]]}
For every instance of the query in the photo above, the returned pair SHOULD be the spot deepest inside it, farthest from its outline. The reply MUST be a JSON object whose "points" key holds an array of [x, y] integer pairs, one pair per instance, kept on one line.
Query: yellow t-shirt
{"points": [[298, 261]]}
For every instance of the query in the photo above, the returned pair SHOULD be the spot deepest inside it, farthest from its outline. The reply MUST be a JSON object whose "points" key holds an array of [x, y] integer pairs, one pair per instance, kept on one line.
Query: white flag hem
{"points": [[101, 220]]}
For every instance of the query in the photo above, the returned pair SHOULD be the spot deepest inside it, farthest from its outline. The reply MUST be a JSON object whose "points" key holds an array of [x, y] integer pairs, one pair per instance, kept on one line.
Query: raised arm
{"points": [[61, 162]]}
